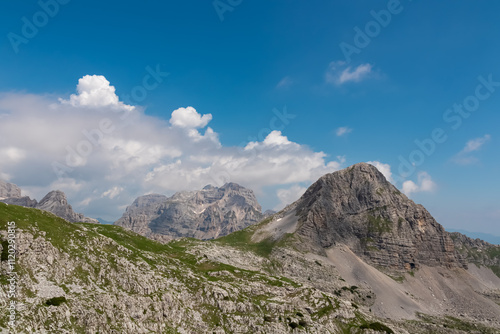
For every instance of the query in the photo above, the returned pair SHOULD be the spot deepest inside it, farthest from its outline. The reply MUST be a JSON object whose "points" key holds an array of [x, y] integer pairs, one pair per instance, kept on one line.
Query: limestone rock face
{"points": [[56, 202], [477, 251], [205, 214], [358, 207], [21, 201], [9, 190]]}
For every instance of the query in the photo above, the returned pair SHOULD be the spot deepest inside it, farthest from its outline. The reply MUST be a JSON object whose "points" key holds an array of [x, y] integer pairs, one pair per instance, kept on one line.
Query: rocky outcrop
{"points": [[54, 202], [477, 251], [358, 207], [206, 214], [25, 201], [9, 190]]}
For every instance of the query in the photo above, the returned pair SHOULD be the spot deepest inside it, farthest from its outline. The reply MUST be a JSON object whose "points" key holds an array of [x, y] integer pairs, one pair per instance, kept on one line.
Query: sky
{"points": [[111, 100]]}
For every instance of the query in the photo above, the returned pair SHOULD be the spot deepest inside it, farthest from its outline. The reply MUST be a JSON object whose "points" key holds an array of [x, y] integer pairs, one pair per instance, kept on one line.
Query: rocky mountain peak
{"points": [[208, 213], [54, 197], [57, 203], [359, 208], [362, 187], [9, 190]]}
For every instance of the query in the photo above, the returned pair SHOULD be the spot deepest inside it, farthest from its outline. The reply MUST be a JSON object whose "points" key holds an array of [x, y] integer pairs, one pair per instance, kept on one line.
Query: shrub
{"points": [[56, 301]]}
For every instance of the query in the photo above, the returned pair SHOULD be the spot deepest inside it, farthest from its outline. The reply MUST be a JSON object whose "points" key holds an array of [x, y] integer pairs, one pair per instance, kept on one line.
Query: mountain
{"points": [[378, 239], [492, 239], [206, 214], [9, 190], [55, 202], [324, 264], [360, 208]]}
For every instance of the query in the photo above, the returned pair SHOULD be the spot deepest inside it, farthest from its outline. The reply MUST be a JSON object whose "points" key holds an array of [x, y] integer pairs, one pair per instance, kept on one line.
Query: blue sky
{"points": [[243, 63]]}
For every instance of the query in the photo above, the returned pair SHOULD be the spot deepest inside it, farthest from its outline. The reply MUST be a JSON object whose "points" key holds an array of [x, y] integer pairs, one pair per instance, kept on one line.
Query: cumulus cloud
{"points": [[339, 73], [104, 153], [385, 169], [424, 184], [343, 131], [95, 91], [189, 118], [289, 195], [465, 157]]}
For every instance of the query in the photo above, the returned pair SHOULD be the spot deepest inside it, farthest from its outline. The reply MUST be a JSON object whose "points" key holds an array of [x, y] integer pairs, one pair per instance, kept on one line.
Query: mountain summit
{"points": [[9, 190], [204, 214], [357, 206]]}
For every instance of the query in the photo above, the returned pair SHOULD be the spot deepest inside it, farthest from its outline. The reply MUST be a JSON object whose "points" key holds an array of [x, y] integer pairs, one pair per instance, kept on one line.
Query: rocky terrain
{"points": [[55, 202], [477, 251], [305, 269], [206, 214]]}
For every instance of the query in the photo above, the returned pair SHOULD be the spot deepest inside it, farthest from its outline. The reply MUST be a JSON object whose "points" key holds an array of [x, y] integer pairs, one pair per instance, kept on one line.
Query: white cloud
{"points": [[276, 139], [113, 192], [339, 73], [286, 82], [385, 169], [358, 74], [289, 195], [424, 184], [95, 91], [464, 157], [104, 154], [343, 131], [189, 118], [12, 154], [476, 144]]}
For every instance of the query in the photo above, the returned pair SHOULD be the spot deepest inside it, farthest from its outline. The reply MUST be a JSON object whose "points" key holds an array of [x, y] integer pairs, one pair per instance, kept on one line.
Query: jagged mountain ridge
{"points": [[206, 214], [55, 202]]}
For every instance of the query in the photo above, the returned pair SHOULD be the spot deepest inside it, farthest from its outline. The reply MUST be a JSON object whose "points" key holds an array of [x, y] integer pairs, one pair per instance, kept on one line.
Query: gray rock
{"points": [[25, 201], [477, 251], [209, 213], [56, 202], [9, 190], [358, 207]]}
